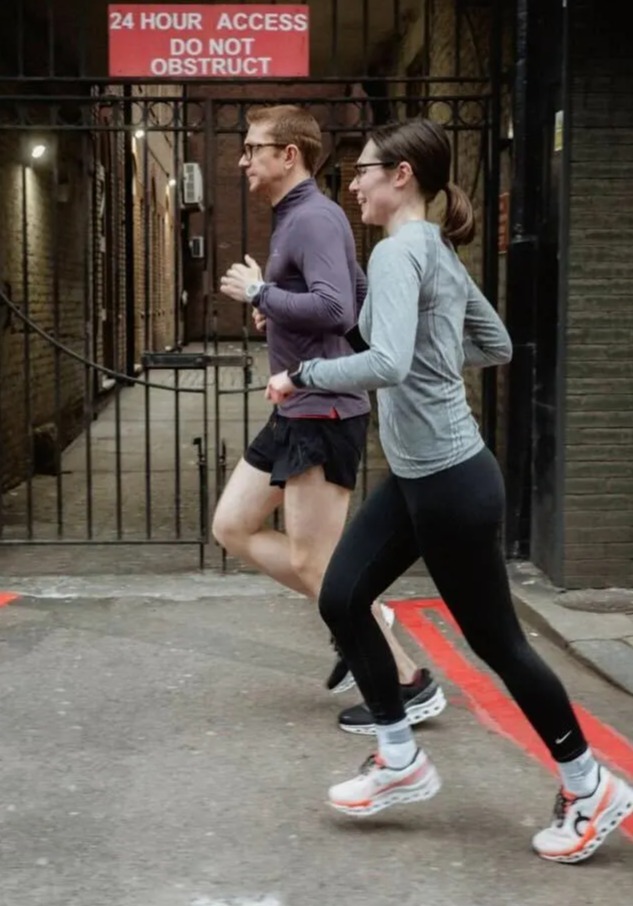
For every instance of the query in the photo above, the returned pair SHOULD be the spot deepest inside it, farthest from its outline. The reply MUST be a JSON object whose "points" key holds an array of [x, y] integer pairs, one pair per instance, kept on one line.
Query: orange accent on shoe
{"points": [[397, 783], [591, 831]]}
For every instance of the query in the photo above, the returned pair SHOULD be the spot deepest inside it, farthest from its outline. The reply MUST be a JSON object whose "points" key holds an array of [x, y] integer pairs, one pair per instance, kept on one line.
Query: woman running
{"points": [[443, 500]]}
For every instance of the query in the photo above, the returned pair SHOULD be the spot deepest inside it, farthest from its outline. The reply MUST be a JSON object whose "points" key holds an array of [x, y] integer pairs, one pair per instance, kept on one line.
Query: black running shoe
{"points": [[340, 678], [423, 698]]}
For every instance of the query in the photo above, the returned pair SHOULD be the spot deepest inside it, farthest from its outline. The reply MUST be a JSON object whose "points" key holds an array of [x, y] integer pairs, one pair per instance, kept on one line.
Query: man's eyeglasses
{"points": [[248, 150], [361, 169]]}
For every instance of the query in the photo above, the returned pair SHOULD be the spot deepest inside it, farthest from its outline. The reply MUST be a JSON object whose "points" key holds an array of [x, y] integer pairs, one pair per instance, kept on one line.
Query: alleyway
{"points": [[147, 444]]}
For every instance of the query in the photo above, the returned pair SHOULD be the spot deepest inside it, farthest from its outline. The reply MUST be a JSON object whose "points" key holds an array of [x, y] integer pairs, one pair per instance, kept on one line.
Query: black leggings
{"points": [[452, 520]]}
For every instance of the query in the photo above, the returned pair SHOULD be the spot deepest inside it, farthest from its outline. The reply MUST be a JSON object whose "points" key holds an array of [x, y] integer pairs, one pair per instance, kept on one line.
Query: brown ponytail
{"points": [[425, 145], [459, 219]]}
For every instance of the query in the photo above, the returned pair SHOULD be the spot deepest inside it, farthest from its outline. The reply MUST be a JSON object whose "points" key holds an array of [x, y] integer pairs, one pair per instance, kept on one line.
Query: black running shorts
{"points": [[287, 447]]}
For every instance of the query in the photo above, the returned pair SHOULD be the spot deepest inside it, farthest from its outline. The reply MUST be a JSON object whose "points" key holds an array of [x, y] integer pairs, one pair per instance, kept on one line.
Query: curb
{"points": [[548, 618]]}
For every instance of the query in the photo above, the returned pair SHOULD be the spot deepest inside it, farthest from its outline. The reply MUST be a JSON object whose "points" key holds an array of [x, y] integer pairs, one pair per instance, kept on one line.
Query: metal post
{"points": [[177, 114], [147, 318], [28, 420], [522, 277], [57, 362], [128, 207], [92, 241], [491, 262]]}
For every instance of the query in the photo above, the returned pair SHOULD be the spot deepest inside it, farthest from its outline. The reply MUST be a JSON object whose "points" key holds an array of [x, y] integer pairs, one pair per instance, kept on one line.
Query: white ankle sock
{"points": [[396, 744], [580, 776]]}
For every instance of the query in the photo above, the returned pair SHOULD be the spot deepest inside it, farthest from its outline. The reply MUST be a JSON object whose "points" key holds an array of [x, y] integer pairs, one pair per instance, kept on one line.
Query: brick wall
{"points": [[157, 321], [108, 255], [599, 401], [54, 266], [72, 271]]}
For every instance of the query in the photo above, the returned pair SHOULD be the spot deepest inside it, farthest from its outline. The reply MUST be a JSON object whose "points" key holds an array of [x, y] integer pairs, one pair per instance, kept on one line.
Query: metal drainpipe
{"points": [[522, 276]]}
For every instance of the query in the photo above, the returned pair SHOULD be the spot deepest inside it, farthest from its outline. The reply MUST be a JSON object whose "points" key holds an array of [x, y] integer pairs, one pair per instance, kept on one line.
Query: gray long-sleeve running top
{"points": [[424, 319]]}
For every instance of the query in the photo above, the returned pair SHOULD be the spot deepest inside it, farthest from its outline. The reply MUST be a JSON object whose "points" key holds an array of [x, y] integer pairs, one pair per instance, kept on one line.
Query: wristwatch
{"points": [[295, 376], [253, 290]]}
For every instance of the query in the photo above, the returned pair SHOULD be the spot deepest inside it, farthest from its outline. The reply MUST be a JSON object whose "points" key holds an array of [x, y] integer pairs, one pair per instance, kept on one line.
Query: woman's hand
{"points": [[279, 388]]}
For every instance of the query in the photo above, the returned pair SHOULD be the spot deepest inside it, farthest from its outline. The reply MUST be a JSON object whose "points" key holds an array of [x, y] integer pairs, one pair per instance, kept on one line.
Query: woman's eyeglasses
{"points": [[361, 169]]}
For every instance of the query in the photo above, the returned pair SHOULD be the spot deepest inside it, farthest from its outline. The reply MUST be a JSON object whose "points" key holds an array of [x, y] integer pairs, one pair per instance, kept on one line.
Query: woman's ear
{"points": [[404, 173]]}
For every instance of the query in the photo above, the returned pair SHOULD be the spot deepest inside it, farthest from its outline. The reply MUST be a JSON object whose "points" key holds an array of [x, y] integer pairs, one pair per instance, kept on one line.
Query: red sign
{"points": [[209, 42]]}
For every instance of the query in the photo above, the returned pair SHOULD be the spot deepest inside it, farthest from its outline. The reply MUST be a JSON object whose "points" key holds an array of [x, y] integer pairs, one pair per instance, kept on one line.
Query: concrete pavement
{"points": [[170, 743], [595, 625]]}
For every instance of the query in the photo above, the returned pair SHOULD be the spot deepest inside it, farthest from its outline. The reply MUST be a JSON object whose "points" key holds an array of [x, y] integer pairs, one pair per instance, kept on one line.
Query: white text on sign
{"points": [[174, 21]]}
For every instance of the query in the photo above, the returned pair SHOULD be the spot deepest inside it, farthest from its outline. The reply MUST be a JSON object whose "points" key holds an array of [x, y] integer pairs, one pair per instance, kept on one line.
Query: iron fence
{"points": [[126, 381]]}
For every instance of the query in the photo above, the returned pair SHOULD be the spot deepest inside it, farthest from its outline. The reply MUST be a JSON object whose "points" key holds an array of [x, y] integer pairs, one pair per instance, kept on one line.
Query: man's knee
{"points": [[308, 566], [228, 531]]}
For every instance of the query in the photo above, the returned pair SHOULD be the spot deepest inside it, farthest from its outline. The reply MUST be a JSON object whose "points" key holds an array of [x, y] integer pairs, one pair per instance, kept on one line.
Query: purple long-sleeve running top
{"points": [[313, 294]]}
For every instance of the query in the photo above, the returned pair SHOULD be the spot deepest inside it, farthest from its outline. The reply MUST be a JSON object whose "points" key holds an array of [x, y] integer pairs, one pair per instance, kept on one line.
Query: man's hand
{"points": [[279, 388], [233, 284], [259, 320]]}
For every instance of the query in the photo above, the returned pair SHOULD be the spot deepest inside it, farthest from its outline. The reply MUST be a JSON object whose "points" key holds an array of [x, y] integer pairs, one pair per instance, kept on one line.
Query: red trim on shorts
{"points": [[331, 415]]}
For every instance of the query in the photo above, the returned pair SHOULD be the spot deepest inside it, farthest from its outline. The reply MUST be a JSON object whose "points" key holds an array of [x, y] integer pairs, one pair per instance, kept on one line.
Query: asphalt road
{"points": [[177, 753]]}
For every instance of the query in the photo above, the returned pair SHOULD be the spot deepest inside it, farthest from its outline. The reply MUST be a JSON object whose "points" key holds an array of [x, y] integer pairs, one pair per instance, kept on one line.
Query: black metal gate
{"points": [[128, 385]]}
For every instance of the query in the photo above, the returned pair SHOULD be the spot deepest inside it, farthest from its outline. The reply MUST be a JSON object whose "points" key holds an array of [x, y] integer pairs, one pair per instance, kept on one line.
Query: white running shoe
{"points": [[582, 823], [378, 786]]}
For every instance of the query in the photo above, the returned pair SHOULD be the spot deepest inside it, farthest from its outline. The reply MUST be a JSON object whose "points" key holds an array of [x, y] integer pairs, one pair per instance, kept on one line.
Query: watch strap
{"points": [[296, 376]]}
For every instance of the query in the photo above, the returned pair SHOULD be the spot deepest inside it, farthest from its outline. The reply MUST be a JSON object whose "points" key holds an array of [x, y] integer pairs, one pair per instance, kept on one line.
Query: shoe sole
{"points": [[617, 812], [416, 714], [348, 682], [426, 789]]}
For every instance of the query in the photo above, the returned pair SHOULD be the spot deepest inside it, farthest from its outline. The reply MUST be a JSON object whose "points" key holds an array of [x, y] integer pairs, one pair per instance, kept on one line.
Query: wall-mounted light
{"points": [[172, 183], [140, 133], [506, 141], [38, 151]]}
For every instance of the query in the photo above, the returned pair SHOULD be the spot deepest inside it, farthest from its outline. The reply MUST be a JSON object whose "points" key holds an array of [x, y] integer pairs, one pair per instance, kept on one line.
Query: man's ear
{"points": [[292, 154]]}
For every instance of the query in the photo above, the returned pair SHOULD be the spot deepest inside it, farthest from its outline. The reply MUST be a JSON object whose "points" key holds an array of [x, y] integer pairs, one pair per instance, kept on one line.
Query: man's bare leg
{"points": [[406, 667], [315, 512], [247, 501]]}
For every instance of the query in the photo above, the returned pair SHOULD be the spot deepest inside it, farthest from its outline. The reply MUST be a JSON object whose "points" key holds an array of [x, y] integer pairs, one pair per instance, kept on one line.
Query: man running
{"points": [[307, 455]]}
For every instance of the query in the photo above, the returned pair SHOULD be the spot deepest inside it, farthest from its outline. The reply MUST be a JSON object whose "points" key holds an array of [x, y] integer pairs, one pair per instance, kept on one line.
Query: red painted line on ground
{"points": [[6, 597], [494, 707]]}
